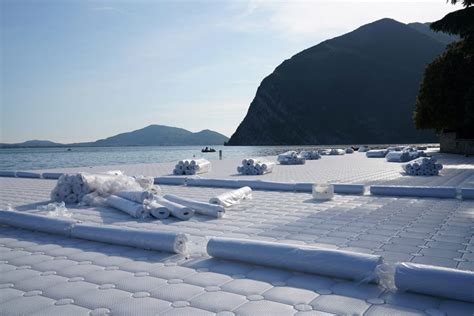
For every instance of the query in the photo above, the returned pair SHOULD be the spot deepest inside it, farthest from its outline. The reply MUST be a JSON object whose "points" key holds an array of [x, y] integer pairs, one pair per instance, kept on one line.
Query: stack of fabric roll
{"points": [[310, 154], [405, 155], [337, 151], [70, 188], [291, 158], [349, 150], [426, 166], [376, 153], [192, 166], [363, 149], [255, 166]]}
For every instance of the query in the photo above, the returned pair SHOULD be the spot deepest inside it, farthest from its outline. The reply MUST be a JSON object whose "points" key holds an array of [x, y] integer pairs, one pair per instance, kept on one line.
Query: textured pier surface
{"points": [[42, 274]]}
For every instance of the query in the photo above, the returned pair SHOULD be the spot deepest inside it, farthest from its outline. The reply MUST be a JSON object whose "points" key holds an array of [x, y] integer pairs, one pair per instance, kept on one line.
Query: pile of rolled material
{"points": [[232, 197], [192, 166], [255, 166], [337, 151], [376, 153], [349, 150], [70, 188], [291, 158], [310, 154], [203, 208], [405, 155], [425, 166], [363, 149]]}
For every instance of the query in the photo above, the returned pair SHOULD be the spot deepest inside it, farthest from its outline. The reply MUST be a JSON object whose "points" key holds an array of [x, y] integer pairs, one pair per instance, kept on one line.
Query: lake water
{"points": [[46, 158]]}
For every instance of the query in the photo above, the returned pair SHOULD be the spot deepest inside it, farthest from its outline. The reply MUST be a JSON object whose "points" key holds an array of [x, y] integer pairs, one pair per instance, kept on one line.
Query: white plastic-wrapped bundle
{"points": [[133, 209], [70, 189], [310, 154], [192, 166], [124, 236], [328, 262], [158, 211], [135, 196], [177, 210], [435, 281], [291, 158], [363, 149], [337, 151], [376, 153], [398, 156], [323, 191], [349, 150], [46, 224], [203, 208], [232, 197], [425, 166], [255, 166]]}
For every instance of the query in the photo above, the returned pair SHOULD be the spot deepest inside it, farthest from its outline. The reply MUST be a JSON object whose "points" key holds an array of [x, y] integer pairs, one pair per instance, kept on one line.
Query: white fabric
{"points": [[467, 193], [310, 154], [124, 236], [198, 207], [328, 262], [323, 191], [426, 166], [435, 281], [133, 209], [135, 196], [291, 158], [35, 222], [376, 153], [417, 191], [192, 166], [179, 211], [232, 197], [255, 166], [158, 211]]}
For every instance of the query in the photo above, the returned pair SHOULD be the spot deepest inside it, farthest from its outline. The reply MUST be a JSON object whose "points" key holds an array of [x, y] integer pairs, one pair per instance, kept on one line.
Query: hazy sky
{"points": [[82, 70]]}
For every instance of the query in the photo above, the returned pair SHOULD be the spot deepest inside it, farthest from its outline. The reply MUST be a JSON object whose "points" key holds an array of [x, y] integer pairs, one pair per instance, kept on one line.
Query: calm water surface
{"points": [[46, 158]]}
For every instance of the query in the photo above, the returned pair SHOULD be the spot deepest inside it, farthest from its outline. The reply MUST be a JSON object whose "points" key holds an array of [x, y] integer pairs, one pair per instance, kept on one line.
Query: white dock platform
{"points": [[43, 274]]}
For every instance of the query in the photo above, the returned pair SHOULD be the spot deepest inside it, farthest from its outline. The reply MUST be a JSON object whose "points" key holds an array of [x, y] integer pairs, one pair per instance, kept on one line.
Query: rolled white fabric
{"points": [[7, 173], [124, 236], [416, 191], [133, 209], [158, 211], [26, 174], [328, 262], [135, 196], [467, 193], [35, 222], [376, 153], [179, 211], [435, 281], [203, 208], [232, 197]]}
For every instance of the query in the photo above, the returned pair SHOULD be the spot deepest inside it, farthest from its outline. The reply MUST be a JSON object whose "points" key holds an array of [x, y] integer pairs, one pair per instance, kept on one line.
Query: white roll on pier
{"points": [[327, 262], [435, 281]]}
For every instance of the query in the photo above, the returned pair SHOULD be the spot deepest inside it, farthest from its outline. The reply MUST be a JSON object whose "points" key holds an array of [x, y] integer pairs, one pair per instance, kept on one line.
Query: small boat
{"points": [[208, 150]]}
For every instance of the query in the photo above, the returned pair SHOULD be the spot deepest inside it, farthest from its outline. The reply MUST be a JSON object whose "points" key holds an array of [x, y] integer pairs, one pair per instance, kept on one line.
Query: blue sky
{"points": [[76, 71]]}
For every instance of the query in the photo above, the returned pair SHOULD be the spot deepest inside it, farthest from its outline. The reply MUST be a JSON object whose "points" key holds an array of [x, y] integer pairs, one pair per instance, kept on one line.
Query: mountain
{"points": [[360, 87], [153, 135], [32, 143], [160, 135], [439, 36]]}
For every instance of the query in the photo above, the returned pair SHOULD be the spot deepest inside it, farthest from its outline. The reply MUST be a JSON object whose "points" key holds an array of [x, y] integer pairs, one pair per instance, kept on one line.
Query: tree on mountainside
{"points": [[445, 100]]}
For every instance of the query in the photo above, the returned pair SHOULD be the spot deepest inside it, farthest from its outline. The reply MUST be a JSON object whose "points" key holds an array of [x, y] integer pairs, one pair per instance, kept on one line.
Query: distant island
{"points": [[358, 88], [153, 135]]}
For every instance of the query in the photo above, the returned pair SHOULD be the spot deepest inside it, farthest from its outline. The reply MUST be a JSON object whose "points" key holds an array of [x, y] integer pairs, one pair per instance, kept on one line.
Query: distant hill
{"points": [[32, 143], [360, 87], [160, 135], [441, 37], [153, 135]]}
